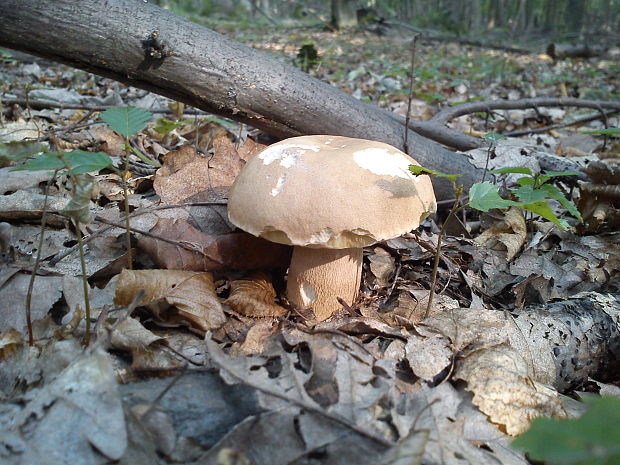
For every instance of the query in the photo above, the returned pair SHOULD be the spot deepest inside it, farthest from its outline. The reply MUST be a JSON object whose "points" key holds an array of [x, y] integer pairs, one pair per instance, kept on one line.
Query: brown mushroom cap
{"points": [[329, 191]]}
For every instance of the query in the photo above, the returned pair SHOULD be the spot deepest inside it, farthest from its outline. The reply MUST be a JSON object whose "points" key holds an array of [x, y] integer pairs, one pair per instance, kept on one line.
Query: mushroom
{"points": [[329, 197]]}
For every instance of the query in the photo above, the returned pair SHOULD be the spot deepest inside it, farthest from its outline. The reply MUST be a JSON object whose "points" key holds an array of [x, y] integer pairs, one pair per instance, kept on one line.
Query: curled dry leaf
{"points": [[10, 341], [511, 232], [504, 389], [192, 293], [254, 297]]}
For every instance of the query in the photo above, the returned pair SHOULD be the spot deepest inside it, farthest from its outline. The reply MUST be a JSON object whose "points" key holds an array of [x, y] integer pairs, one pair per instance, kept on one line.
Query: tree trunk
{"points": [[205, 69], [344, 14]]}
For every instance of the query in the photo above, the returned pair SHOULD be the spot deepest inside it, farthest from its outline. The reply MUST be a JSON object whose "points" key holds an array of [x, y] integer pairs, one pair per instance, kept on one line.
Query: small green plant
{"points": [[76, 164], [307, 57], [593, 439], [127, 121], [533, 195]]}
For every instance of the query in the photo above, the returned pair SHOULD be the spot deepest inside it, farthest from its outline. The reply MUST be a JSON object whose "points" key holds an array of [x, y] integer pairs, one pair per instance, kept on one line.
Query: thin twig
{"points": [[84, 283], [575, 122], [92, 108], [183, 245], [410, 98], [37, 260], [100, 231]]}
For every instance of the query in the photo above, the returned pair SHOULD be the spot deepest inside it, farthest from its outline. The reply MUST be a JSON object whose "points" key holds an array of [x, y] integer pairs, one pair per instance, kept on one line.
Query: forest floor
{"points": [[196, 357]]}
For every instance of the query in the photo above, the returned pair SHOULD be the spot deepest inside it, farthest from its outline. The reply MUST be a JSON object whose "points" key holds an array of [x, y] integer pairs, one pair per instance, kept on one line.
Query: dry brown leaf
{"points": [[10, 341], [255, 297], [381, 265], [503, 389], [249, 149], [186, 173], [238, 251], [193, 294], [257, 337], [130, 335], [428, 356], [511, 232]]}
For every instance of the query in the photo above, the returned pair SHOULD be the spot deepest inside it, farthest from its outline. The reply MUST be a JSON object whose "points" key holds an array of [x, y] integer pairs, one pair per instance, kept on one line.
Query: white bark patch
{"points": [[383, 162], [279, 185], [287, 154]]}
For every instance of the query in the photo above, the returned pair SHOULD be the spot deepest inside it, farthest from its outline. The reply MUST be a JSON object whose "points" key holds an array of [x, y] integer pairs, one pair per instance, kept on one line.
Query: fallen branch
{"points": [[435, 128]]}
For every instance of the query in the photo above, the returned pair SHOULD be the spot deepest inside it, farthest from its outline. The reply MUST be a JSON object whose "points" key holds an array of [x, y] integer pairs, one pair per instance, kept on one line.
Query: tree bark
{"points": [[200, 67], [344, 14]]}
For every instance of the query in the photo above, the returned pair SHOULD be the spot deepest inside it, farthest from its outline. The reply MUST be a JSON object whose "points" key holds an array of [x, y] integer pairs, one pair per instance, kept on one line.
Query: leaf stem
{"points": [[458, 190], [127, 212], [84, 283]]}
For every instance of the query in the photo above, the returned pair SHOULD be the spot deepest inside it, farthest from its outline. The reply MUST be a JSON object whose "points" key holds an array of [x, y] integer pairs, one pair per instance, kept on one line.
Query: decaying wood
{"points": [[560, 51], [582, 334], [192, 64]]}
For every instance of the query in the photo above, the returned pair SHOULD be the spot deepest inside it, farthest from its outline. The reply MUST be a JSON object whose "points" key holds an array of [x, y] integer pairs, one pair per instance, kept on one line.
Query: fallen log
{"points": [[142, 45]]}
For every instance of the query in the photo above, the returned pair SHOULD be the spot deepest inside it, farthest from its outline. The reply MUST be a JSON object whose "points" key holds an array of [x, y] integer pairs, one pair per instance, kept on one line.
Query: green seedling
{"points": [[533, 194], [76, 164], [126, 122]]}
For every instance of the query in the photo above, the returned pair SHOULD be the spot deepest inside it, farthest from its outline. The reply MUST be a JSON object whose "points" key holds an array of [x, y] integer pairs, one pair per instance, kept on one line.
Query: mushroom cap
{"points": [[329, 191]]}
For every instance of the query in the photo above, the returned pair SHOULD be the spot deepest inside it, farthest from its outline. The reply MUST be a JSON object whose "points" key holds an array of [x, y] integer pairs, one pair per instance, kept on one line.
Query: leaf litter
{"points": [[213, 367]]}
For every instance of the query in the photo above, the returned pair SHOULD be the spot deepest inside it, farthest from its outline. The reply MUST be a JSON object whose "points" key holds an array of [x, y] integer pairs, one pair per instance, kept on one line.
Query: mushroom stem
{"points": [[317, 277]]}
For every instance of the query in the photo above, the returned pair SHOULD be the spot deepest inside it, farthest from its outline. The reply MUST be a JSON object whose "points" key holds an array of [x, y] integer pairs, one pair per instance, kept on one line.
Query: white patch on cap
{"points": [[383, 162], [288, 154], [308, 294], [279, 185]]}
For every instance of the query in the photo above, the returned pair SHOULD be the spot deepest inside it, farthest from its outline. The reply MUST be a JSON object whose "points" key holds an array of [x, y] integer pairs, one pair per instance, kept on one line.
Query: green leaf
{"points": [[557, 174], [608, 131], [484, 196], [80, 161], [527, 194], [166, 126], [554, 193], [127, 120], [543, 209], [513, 169], [19, 150], [593, 439], [45, 161], [493, 138], [417, 169], [144, 158], [526, 181]]}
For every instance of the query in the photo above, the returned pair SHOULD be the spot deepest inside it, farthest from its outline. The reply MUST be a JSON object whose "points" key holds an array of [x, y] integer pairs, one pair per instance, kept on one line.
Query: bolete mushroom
{"points": [[329, 197]]}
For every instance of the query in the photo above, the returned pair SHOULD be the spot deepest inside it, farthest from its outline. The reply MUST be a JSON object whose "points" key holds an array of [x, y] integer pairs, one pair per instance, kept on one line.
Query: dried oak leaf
{"points": [[254, 297], [504, 390], [511, 233], [192, 293], [239, 251]]}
